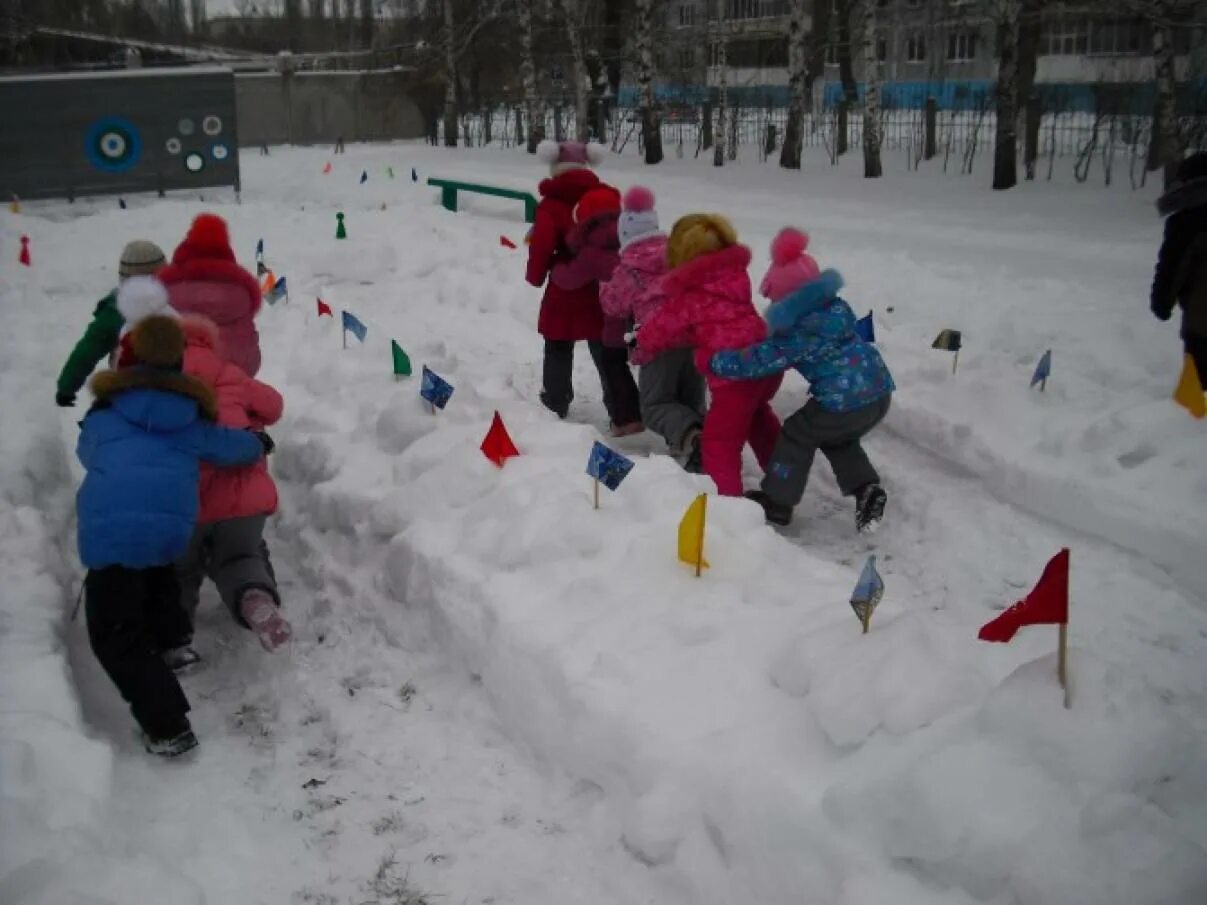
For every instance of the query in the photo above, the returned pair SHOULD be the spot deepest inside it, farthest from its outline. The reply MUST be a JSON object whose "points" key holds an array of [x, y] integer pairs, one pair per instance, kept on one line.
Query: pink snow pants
{"points": [[740, 413]]}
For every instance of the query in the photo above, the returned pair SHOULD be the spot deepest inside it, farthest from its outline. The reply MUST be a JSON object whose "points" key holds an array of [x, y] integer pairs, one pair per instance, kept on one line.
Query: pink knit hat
{"points": [[569, 155], [790, 267]]}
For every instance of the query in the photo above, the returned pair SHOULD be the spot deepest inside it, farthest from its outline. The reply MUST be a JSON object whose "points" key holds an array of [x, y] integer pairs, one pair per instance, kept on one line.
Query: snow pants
{"points": [[740, 413], [619, 388], [233, 555], [673, 396], [837, 435], [133, 615]]}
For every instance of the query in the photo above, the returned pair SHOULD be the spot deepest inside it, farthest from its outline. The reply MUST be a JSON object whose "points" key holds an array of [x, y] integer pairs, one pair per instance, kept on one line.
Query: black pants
{"points": [[133, 614], [1196, 348], [619, 388]]}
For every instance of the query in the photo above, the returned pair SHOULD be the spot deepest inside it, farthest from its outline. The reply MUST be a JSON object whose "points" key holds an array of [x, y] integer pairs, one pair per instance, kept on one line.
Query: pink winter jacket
{"points": [[243, 402], [708, 307], [222, 292], [634, 292]]}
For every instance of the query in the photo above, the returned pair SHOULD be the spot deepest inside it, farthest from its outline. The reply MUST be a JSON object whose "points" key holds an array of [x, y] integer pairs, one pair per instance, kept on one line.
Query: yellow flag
{"points": [[1189, 393], [691, 534]]}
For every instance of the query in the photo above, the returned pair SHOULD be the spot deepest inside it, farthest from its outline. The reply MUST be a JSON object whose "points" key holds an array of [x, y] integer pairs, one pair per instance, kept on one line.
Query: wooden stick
{"points": [[700, 537], [1043, 384], [1062, 662], [345, 335], [866, 620], [597, 493], [955, 361]]}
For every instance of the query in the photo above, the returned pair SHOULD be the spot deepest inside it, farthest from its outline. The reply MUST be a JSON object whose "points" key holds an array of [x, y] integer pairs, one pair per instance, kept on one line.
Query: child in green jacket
{"points": [[139, 258]]}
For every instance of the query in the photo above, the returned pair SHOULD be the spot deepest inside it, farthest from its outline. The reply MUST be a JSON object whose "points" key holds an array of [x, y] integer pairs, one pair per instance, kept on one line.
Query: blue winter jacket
{"points": [[813, 330], [141, 447]]}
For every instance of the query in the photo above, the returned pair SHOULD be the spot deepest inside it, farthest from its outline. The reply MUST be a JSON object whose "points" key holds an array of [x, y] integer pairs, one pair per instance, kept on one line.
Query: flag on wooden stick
{"points": [[868, 591], [402, 362], [1043, 371], [324, 308], [497, 445], [691, 534], [1189, 393]]}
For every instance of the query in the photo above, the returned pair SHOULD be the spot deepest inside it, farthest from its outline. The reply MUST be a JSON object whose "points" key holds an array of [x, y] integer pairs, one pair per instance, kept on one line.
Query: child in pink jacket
{"points": [[673, 398], [709, 307]]}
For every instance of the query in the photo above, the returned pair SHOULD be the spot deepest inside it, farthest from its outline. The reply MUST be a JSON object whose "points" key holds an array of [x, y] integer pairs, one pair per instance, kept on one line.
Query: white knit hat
{"points": [[638, 220]]}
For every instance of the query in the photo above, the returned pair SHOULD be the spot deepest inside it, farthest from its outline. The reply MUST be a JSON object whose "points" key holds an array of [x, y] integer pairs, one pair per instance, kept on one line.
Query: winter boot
{"points": [[264, 616], [170, 747], [869, 508], [690, 456], [180, 659], [627, 430], [775, 513]]}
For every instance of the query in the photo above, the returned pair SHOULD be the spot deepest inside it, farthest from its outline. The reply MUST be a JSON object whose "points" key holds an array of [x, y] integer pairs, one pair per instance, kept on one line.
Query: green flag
{"points": [[402, 364]]}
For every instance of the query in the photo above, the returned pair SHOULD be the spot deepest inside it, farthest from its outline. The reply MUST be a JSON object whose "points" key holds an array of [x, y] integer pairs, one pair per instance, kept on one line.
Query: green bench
{"points": [[449, 189]]}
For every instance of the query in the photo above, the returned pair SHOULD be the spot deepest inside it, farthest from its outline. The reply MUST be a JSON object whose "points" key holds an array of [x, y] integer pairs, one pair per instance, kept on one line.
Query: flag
{"points": [[528, 236], [390, 170], [364, 176], [121, 202], [691, 533], [353, 325], [505, 242], [23, 257], [868, 591], [434, 388], [324, 308], [15, 204], [1043, 370], [497, 445], [1189, 393], [327, 167], [414, 175], [948, 341], [279, 291], [865, 328], [260, 269], [260, 250], [402, 362], [269, 281], [1047, 604], [608, 466]]}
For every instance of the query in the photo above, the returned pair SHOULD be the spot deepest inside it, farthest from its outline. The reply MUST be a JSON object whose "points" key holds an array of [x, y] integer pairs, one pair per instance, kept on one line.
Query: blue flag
{"points": [[260, 250], [414, 175], [364, 176], [434, 388], [868, 591], [608, 466], [865, 328], [1043, 370], [353, 325], [948, 341], [121, 202], [279, 291]]}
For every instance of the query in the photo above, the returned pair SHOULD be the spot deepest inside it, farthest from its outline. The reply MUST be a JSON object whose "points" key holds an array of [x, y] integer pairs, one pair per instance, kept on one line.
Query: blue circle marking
{"points": [[113, 144]]}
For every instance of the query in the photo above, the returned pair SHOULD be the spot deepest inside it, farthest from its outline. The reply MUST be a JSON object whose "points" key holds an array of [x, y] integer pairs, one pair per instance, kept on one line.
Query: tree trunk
{"points": [[794, 129], [815, 49], [846, 70], [1030, 29], [533, 108], [718, 154], [366, 24], [450, 77], [706, 136], [871, 95], [651, 127], [1005, 140], [572, 13], [1166, 148]]}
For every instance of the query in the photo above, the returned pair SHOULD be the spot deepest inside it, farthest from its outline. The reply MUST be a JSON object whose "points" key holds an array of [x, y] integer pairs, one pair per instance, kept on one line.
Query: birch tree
{"points": [[651, 125], [572, 14], [722, 61], [450, 77], [534, 110], [846, 70], [794, 129], [1166, 147], [871, 95], [1005, 147]]}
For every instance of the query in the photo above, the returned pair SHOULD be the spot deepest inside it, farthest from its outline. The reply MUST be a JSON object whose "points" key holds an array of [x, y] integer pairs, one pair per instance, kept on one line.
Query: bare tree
{"points": [[723, 111], [450, 76], [871, 95], [1005, 162], [794, 129], [534, 110], [651, 124], [846, 71], [1030, 31], [572, 15], [366, 24], [1166, 141]]}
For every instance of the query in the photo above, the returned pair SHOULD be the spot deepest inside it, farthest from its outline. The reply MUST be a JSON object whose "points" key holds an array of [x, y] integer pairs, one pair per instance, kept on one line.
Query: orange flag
{"points": [[270, 280], [1189, 393], [497, 445]]}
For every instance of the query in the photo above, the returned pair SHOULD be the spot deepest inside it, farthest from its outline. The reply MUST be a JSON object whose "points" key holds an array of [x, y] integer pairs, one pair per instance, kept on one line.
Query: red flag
{"points": [[497, 445], [324, 308], [24, 256], [505, 242], [1048, 604], [327, 167]]}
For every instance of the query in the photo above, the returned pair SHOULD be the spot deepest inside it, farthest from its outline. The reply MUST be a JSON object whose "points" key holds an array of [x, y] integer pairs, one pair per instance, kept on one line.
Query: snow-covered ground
{"points": [[520, 699]]}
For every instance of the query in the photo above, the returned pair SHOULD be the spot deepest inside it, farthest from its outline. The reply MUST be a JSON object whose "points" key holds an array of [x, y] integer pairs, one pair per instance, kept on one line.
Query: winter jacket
{"points": [[595, 250], [707, 307], [813, 330], [98, 341], [634, 291], [1181, 272], [140, 445], [566, 314], [243, 402], [225, 293]]}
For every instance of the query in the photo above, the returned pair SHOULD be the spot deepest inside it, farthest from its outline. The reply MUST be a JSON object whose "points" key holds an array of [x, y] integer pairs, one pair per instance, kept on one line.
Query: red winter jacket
{"points": [[567, 314], [222, 292]]}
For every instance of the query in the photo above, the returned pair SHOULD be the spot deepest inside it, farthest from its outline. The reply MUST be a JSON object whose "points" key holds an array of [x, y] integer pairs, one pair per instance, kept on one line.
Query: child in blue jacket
{"points": [[813, 330], [141, 444]]}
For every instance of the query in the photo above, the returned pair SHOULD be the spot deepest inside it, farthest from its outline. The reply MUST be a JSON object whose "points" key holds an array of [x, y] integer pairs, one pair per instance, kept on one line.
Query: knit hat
{"points": [[791, 267], [140, 257], [696, 235], [638, 220], [207, 239], [157, 342], [563, 156], [601, 200]]}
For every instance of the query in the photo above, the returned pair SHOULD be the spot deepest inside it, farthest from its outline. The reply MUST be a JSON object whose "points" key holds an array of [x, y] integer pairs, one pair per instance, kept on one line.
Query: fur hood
{"points": [[211, 270], [706, 269], [1183, 197], [808, 299], [108, 384], [569, 187]]}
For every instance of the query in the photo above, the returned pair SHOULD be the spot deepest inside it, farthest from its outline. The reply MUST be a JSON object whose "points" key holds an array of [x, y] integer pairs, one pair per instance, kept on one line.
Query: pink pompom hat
{"points": [[790, 267], [569, 155], [638, 219]]}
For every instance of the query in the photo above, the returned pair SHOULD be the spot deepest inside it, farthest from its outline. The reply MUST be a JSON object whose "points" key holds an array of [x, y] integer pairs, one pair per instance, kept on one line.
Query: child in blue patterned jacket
{"points": [[812, 330]]}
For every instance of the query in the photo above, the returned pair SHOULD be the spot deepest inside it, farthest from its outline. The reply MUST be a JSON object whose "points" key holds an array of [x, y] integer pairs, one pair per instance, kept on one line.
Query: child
{"points": [[813, 330], [708, 307], [204, 279], [140, 445], [592, 242], [1181, 273], [570, 315], [138, 257], [670, 388]]}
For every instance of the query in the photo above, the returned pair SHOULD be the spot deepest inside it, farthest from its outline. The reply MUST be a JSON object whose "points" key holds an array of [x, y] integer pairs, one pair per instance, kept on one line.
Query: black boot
{"points": [[775, 513], [869, 508]]}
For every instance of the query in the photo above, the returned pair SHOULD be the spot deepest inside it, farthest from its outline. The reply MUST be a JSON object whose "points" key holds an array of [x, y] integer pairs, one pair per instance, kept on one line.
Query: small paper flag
{"points": [[121, 202], [268, 282], [260, 269], [402, 362], [390, 171], [260, 250], [23, 257], [414, 175], [434, 388], [353, 325], [505, 242], [691, 533], [497, 445], [279, 291], [528, 236], [608, 466], [948, 341], [865, 328], [364, 176], [868, 591], [324, 308], [15, 205], [1043, 370], [1047, 604], [1189, 393], [327, 167]]}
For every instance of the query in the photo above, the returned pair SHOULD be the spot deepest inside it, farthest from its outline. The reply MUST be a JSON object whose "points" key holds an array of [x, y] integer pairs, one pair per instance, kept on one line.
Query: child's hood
{"points": [[155, 401], [647, 255], [200, 332], [809, 299], [714, 272], [597, 232]]}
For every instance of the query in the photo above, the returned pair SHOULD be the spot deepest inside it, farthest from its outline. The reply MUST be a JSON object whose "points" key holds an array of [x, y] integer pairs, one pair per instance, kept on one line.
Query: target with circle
{"points": [[113, 144]]}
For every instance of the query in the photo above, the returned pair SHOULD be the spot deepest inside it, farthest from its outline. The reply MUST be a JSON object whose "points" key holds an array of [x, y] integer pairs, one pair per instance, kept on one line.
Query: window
{"points": [[755, 9], [1066, 38], [915, 49], [961, 46], [687, 15], [758, 53], [881, 50], [1118, 38]]}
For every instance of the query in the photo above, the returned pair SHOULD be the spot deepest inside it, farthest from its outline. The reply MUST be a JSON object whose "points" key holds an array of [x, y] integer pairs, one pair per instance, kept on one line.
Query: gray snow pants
{"points": [[673, 396], [837, 435], [233, 555]]}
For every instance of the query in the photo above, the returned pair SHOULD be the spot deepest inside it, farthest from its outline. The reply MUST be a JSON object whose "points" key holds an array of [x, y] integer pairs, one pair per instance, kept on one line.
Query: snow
{"points": [[520, 698]]}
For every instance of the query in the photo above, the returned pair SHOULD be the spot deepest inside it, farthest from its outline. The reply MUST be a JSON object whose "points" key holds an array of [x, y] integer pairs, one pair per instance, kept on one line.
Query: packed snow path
{"points": [[587, 722]]}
